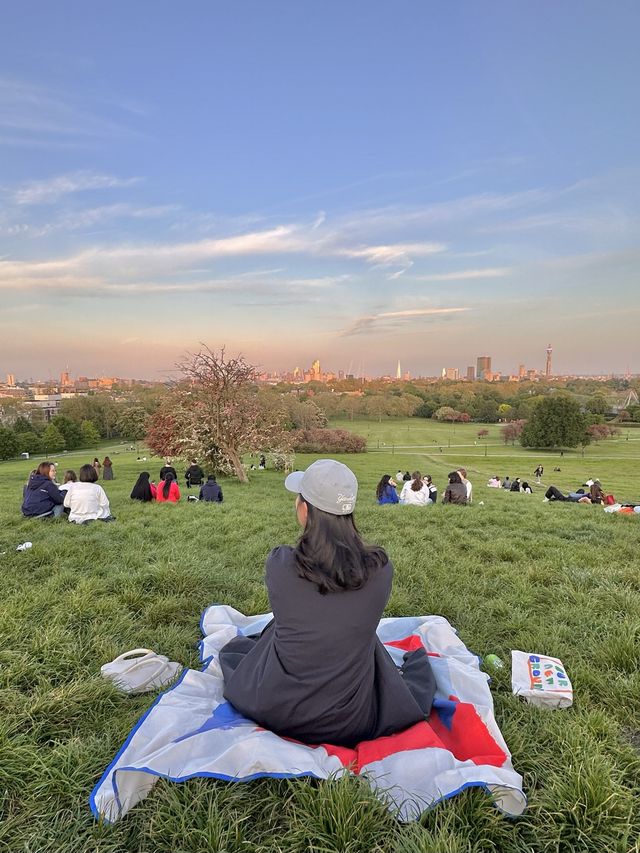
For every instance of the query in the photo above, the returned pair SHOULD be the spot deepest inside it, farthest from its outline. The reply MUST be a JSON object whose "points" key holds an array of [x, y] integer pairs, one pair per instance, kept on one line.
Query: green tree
{"points": [[29, 442], [9, 446], [132, 423], [486, 410], [90, 435], [556, 422], [598, 405], [52, 439], [70, 430]]}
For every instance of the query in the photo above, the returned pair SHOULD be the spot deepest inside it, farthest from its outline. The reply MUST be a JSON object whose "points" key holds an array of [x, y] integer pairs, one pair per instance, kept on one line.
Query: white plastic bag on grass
{"points": [[542, 680]]}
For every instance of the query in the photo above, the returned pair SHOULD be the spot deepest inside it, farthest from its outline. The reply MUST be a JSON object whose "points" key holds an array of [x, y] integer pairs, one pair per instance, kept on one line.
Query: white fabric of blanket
{"points": [[191, 731]]}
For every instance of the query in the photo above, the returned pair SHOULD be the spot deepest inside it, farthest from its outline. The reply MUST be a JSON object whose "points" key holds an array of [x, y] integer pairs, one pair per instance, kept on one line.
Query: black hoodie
{"points": [[41, 496]]}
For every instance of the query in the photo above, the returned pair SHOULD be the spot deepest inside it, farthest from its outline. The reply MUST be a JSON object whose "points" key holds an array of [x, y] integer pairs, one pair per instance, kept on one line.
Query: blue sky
{"points": [[358, 182]]}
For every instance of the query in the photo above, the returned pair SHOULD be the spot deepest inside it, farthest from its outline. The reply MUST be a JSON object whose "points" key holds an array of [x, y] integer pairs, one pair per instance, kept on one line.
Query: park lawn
{"points": [[508, 572]]}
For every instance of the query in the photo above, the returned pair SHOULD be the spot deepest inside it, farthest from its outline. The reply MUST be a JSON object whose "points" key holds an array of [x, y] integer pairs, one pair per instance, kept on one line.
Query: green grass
{"points": [[511, 573]]}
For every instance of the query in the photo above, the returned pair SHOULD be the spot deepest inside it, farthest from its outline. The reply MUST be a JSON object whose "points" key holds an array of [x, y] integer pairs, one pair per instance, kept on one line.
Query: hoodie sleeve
{"points": [[54, 493]]}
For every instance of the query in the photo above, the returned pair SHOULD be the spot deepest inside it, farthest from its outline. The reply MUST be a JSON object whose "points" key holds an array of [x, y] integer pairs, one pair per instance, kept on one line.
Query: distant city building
{"points": [[547, 369], [483, 367], [406, 376], [398, 371], [451, 373], [522, 371], [11, 380], [315, 370], [64, 379], [471, 373]]}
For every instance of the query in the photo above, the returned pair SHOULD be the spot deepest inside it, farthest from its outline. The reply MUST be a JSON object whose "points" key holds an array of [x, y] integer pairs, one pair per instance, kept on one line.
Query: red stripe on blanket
{"points": [[410, 644], [467, 739]]}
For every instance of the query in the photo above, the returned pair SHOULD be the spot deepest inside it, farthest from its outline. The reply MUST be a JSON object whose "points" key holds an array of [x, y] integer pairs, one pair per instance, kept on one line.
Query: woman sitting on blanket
{"points": [[318, 672]]}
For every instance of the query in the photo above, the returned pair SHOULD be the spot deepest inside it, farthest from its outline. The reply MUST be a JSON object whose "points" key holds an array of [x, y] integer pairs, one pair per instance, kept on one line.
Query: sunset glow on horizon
{"points": [[360, 185]]}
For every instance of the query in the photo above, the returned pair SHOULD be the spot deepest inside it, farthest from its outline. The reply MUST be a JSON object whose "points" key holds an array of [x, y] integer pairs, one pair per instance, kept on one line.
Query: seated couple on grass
{"points": [[82, 500], [318, 672]]}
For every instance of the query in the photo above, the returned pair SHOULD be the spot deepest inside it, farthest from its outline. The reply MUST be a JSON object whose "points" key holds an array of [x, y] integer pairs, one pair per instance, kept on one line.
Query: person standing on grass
{"points": [[96, 464], [194, 475], [386, 491], [415, 492], [167, 490], [538, 474], [456, 491], [143, 490], [42, 497], [318, 672], [211, 492], [107, 469], [86, 500]]}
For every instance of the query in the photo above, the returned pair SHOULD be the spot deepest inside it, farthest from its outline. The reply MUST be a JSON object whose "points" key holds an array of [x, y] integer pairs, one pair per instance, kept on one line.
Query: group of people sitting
{"points": [[167, 489], [416, 490], [79, 497], [515, 485]]}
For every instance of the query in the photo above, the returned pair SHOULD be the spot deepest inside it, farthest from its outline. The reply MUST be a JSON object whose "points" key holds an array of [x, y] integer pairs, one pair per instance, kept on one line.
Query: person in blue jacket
{"points": [[386, 491], [42, 498], [211, 491]]}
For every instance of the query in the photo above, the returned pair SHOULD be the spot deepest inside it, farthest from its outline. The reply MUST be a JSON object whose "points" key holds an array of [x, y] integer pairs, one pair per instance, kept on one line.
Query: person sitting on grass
{"points": [[554, 494], [495, 482], [69, 478], [433, 490], [86, 500], [506, 484], [168, 491], [318, 672], [168, 468], [415, 492], [515, 486], [456, 491], [526, 488], [595, 492], [466, 483], [143, 490], [42, 497], [386, 490], [194, 475], [211, 491]]}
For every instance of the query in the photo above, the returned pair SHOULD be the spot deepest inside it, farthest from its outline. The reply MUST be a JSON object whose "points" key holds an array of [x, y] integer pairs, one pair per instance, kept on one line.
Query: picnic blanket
{"points": [[192, 731]]}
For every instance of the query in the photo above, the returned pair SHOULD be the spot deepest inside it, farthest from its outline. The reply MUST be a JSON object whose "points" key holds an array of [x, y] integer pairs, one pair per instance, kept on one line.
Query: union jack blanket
{"points": [[191, 730]]}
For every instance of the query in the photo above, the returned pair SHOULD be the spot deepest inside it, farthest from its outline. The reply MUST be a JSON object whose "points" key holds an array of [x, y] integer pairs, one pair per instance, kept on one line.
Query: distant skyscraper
{"points": [[483, 366], [547, 369], [398, 371], [11, 380], [522, 371], [451, 373], [315, 369], [471, 373]]}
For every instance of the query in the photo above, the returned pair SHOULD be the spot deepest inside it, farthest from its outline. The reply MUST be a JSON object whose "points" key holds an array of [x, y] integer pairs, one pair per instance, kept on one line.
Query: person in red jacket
{"points": [[167, 490]]}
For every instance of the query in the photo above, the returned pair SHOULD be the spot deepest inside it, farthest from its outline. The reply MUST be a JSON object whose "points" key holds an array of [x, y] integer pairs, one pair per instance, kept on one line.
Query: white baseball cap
{"points": [[327, 485]]}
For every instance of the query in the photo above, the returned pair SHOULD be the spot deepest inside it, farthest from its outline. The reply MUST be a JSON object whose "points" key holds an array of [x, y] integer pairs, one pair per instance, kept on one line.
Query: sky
{"points": [[357, 182]]}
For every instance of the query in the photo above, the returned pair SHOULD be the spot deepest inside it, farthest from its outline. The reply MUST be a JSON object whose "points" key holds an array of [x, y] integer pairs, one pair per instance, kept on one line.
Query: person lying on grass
{"points": [[554, 494], [318, 672]]}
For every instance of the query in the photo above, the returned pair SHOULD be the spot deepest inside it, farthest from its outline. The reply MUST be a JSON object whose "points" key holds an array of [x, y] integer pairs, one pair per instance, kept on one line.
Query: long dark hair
{"points": [[331, 553], [382, 485], [142, 490], [454, 477], [166, 486], [416, 485]]}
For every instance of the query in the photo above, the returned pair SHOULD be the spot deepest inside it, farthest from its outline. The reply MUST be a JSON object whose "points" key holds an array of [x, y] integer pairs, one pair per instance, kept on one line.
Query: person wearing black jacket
{"points": [[194, 475], [168, 468], [42, 498], [211, 491]]}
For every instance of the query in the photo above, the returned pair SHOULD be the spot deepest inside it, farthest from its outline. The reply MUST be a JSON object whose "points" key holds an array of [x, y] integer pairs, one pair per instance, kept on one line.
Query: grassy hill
{"points": [[508, 572]]}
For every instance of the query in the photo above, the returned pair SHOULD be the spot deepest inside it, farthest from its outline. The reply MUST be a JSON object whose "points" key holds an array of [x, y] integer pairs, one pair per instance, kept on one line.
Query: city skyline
{"points": [[466, 194]]}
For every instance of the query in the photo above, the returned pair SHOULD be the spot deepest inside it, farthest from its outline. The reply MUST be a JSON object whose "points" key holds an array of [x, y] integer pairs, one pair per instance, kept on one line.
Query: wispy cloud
{"points": [[31, 114], [52, 189], [465, 275], [391, 319]]}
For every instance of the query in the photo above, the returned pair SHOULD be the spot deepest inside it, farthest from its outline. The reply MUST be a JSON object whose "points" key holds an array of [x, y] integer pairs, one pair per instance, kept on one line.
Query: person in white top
{"points": [[399, 477], [415, 491], [467, 484], [86, 500]]}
